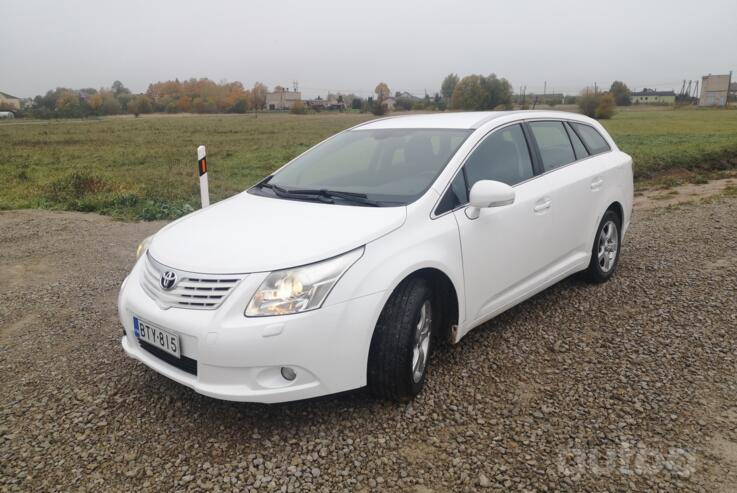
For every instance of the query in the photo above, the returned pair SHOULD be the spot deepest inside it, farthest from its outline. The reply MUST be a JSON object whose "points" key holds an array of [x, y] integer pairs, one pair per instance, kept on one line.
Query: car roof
{"points": [[462, 120]]}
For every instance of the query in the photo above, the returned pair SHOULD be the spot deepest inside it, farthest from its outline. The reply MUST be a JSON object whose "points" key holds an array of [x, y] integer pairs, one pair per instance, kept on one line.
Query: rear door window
{"points": [[553, 143], [593, 139], [502, 156]]}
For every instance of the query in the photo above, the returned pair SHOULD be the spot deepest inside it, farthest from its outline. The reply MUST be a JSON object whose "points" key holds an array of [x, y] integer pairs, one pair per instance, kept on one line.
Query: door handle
{"points": [[596, 183], [542, 204]]}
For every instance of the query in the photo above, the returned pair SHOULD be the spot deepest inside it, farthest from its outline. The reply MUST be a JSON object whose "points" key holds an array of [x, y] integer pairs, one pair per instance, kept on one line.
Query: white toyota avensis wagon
{"points": [[345, 266]]}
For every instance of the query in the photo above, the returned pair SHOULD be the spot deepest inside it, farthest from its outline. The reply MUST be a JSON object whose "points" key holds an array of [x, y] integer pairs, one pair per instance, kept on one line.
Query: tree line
{"points": [[476, 92], [190, 96], [470, 93]]}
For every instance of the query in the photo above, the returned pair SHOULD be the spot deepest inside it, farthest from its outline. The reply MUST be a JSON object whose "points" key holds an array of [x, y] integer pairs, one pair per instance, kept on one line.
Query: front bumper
{"points": [[240, 358]]}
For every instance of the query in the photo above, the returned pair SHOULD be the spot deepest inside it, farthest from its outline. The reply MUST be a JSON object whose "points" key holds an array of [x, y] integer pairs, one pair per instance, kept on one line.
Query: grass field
{"points": [[145, 168], [667, 140]]}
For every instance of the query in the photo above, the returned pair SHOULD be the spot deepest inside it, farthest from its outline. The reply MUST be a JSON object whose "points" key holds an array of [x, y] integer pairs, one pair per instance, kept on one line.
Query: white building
{"points": [[282, 99], [714, 89], [8, 102]]}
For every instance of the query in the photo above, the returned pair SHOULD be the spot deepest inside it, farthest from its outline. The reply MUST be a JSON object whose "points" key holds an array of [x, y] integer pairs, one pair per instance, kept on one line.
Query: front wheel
{"points": [[401, 344], [606, 248]]}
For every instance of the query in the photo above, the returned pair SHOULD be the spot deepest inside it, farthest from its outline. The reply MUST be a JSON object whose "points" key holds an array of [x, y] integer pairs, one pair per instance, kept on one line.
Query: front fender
{"points": [[430, 243]]}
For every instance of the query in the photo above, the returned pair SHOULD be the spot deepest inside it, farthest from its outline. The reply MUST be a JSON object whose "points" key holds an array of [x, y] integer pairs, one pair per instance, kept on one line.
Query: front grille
{"points": [[188, 365], [195, 291]]}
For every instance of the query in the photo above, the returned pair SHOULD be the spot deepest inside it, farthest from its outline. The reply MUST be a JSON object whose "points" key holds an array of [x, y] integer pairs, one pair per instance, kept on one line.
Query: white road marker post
{"points": [[202, 167]]}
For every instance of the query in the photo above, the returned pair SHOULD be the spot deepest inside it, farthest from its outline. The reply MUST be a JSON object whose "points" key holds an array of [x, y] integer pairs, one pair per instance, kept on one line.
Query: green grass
{"points": [[691, 139], [145, 168]]}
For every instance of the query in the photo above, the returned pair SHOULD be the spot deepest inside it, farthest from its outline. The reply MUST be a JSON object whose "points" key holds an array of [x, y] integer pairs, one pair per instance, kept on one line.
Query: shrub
{"points": [[596, 105], [156, 209], [240, 106], [298, 108], [605, 106], [587, 103], [377, 108], [553, 101], [139, 104], [74, 186]]}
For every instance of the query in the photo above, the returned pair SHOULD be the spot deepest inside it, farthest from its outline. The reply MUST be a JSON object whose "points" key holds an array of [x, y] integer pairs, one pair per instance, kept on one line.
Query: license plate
{"points": [[157, 337]]}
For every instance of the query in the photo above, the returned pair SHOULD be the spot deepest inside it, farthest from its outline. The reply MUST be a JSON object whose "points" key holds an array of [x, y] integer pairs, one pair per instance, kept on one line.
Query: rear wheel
{"points": [[606, 248], [401, 344]]}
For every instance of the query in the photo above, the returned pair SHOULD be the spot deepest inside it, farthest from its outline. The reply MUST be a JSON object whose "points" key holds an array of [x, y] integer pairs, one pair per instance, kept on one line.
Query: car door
{"points": [[503, 249], [599, 170], [570, 183]]}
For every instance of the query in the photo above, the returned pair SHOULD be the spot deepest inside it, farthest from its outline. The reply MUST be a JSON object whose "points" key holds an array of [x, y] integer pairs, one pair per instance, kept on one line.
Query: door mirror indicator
{"points": [[488, 193]]}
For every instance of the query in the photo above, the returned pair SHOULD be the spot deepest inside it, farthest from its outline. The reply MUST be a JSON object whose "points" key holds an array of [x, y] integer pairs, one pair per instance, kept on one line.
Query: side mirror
{"points": [[488, 193]]}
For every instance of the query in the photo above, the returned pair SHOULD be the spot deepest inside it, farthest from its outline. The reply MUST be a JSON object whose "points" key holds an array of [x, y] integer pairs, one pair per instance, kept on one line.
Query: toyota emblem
{"points": [[168, 279]]}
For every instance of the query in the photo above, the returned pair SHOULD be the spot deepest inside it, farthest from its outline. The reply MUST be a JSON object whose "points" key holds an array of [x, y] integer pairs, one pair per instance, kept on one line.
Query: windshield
{"points": [[387, 166]]}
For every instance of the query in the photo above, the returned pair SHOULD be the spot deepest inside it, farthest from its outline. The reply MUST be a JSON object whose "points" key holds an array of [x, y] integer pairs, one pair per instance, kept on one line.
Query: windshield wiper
{"points": [[264, 181], [355, 197], [289, 194], [321, 194]]}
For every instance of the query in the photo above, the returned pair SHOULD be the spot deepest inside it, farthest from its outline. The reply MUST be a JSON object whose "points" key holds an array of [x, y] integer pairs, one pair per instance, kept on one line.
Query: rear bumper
{"points": [[240, 358]]}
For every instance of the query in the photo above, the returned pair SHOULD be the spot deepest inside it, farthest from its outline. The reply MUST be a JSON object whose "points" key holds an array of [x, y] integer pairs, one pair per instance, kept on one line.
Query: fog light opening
{"points": [[288, 373]]}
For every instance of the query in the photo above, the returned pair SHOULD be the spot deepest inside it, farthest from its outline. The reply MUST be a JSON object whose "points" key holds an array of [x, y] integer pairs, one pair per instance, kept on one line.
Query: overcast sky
{"points": [[350, 46]]}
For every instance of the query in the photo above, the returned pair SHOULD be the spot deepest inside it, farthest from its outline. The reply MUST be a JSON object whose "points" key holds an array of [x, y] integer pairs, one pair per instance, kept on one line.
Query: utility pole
{"points": [[729, 86], [696, 90], [545, 88]]}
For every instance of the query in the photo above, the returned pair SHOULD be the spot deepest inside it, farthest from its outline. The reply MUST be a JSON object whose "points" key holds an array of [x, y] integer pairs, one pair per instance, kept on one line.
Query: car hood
{"points": [[251, 233]]}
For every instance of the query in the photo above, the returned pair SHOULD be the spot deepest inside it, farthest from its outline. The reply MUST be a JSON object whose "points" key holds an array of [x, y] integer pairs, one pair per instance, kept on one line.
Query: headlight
{"points": [[143, 246], [299, 289]]}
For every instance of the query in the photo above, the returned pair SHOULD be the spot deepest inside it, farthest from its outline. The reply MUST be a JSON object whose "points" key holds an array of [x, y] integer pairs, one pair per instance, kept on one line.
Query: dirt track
{"points": [[642, 370]]}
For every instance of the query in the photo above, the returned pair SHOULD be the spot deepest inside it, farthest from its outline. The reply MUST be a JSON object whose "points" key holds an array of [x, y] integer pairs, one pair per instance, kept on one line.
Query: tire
{"points": [[402, 336], [606, 249]]}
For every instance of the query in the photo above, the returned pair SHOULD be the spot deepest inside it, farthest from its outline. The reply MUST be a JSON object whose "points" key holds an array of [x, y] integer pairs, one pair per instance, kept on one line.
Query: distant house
{"points": [[651, 96], [405, 100], [8, 102], [336, 102], [333, 103], [406, 95], [316, 104], [714, 90], [390, 103], [282, 99]]}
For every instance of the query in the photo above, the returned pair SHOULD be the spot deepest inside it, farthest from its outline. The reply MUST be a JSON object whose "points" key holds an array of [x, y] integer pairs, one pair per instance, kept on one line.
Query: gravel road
{"points": [[627, 385]]}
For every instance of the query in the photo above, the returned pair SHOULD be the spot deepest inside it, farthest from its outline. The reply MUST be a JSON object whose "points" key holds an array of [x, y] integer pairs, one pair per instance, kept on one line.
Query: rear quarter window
{"points": [[595, 143]]}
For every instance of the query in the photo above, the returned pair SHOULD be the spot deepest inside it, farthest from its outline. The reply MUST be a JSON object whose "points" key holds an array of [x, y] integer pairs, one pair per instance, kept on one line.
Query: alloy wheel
{"points": [[608, 246], [422, 341]]}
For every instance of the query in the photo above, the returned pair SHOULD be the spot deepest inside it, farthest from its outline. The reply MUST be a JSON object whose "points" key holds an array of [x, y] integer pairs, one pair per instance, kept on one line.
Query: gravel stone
{"points": [[628, 385]]}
